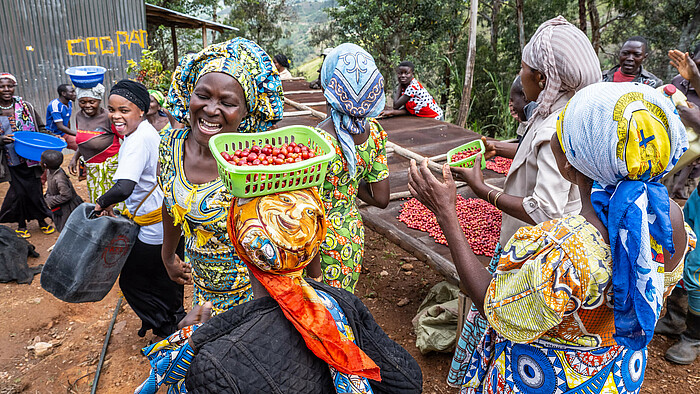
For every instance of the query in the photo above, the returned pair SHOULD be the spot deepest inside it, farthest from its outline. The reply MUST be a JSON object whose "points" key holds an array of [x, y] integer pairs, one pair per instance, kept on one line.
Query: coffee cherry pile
{"points": [[461, 155], [268, 155], [499, 164], [480, 221]]}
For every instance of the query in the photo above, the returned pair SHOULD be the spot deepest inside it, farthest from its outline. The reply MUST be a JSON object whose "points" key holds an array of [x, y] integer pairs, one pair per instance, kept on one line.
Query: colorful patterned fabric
{"points": [[564, 54], [22, 121], [421, 102], [625, 137], [344, 383], [502, 366], [170, 359], [99, 178], [691, 273], [343, 249], [354, 88], [473, 329], [551, 292], [201, 210], [277, 236], [158, 95], [245, 61]]}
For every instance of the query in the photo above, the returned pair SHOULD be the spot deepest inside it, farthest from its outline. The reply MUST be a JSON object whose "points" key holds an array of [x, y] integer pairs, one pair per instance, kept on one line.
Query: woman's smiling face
{"points": [[217, 106], [124, 115]]}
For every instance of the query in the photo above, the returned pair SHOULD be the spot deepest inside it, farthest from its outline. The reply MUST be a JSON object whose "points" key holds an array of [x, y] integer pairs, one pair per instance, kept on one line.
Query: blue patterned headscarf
{"points": [[625, 137], [354, 88], [245, 61]]}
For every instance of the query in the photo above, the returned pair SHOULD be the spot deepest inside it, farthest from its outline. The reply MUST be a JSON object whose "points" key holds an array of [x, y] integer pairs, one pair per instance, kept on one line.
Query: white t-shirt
{"points": [[138, 162]]}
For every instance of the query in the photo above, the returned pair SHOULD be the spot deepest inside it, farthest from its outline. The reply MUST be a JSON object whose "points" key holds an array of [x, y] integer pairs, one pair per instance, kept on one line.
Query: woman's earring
{"points": [[541, 85]]}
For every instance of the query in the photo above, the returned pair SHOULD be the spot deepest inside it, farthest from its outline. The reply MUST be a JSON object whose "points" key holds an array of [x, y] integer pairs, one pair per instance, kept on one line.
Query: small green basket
{"points": [[254, 181], [469, 161]]}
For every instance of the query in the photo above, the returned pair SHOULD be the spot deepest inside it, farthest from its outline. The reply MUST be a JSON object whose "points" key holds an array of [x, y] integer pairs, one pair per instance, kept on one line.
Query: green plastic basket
{"points": [[253, 181], [469, 161]]}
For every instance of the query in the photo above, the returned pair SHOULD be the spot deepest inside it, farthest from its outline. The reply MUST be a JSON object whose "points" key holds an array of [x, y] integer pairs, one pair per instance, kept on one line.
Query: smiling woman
{"points": [[227, 88], [144, 281]]}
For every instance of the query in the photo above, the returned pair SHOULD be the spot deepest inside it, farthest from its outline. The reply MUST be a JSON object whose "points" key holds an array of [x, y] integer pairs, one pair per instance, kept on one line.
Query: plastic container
{"points": [[31, 145], [253, 181], [469, 161], [88, 256], [86, 76]]}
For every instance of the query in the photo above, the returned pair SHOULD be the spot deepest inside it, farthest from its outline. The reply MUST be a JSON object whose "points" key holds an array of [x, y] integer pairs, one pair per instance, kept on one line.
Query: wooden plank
{"points": [[301, 92], [296, 113]]}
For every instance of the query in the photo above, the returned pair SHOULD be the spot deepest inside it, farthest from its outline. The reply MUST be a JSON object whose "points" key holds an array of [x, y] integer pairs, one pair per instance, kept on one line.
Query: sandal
{"points": [[23, 233], [48, 229]]}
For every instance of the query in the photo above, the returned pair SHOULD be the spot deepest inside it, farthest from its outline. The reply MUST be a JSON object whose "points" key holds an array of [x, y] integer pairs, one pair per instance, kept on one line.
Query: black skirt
{"points": [[24, 200], [155, 298]]}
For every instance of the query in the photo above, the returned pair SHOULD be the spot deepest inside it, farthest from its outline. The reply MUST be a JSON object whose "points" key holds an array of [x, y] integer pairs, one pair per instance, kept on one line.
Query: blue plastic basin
{"points": [[31, 145], [86, 76]]}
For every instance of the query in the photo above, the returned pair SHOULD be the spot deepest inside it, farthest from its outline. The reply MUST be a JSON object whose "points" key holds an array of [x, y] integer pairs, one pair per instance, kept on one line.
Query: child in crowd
{"points": [[410, 97], [520, 107], [60, 195]]}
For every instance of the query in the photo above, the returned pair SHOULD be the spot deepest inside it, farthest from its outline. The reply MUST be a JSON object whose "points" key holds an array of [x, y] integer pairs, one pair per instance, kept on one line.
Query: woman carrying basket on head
{"points": [[231, 87]]}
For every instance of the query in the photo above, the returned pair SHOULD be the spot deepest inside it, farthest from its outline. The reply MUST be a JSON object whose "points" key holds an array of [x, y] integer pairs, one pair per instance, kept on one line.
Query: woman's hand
{"points": [[73, 166], [198, 314], [438, 196], [472, 176], [690, 116], [490, 148], [109, 211], [8, 139], [685, 65], [179, 271]]}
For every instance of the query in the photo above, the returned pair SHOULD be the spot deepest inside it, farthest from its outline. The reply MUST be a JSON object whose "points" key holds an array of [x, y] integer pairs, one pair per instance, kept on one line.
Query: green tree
{"points": [[262, 21]]}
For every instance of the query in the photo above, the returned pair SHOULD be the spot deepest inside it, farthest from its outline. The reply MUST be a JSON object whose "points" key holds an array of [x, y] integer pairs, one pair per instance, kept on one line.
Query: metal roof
{"points": [[162, 16]]}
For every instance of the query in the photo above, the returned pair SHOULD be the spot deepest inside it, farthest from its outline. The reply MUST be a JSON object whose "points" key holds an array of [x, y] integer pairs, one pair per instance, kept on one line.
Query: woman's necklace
{"points": [[8, 107]]}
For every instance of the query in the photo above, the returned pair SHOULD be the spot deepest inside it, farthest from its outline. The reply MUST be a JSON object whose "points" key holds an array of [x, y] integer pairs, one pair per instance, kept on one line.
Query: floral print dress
{"points": [[343, 249]]}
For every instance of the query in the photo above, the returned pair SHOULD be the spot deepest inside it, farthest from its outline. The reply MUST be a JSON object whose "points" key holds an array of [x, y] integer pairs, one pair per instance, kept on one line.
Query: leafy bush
{"points": [[149, 71]]}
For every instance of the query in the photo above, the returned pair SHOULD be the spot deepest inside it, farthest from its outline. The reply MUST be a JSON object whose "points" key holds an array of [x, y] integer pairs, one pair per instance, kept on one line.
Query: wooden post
{"points": [[521, 24], [469, 72], [204, 36], [173, 38]]}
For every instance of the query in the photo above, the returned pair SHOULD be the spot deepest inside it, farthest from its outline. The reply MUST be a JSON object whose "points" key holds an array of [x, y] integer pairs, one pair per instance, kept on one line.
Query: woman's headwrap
{"points": [[277, 236], [94, 92], [625, 137], [134, 92], [563, 53], [8, 76], [245, 61], [160, 97], [354, 88]]}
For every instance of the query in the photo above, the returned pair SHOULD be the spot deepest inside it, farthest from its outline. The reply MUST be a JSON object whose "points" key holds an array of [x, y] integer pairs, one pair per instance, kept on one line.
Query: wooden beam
{"points": [[303, 107], [296, 113], [173, 38], [204, 37]]}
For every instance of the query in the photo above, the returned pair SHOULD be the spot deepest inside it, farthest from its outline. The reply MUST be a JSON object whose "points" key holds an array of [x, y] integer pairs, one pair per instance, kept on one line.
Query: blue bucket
{"points": [[31, 145], [86, 77]]}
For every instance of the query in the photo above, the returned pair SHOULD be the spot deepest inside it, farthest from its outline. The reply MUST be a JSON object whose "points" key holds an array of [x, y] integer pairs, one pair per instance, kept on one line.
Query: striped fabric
{"points": [[565, 56]]}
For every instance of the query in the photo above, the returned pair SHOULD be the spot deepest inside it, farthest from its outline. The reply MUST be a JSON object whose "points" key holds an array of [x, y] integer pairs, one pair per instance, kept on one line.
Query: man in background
{"points": [[629, 69], [58, 115]]}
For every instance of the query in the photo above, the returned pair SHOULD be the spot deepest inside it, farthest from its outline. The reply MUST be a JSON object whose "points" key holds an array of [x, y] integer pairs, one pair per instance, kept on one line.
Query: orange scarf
{"points": [[252, 227]]}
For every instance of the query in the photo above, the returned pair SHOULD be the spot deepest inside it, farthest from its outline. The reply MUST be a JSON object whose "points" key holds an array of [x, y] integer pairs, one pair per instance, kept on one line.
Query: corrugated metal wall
{"points": [[42, 38]]}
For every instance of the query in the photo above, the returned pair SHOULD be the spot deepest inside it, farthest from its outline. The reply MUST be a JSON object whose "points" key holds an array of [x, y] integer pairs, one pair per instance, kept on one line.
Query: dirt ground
{"points": [[28, 314]]}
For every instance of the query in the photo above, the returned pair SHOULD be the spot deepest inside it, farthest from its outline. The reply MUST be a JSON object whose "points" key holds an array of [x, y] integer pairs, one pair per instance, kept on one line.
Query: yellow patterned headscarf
{"points": [[245, 61], [277, 236]]}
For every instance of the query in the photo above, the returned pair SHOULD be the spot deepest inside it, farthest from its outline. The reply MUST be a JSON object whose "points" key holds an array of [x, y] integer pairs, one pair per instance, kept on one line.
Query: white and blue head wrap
{"points": [[625, 137], [354, 88]]}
